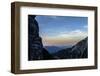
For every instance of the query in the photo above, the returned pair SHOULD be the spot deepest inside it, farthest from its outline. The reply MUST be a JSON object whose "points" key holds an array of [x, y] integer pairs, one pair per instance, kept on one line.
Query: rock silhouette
{"points": [[35, 46], [36, 51]]}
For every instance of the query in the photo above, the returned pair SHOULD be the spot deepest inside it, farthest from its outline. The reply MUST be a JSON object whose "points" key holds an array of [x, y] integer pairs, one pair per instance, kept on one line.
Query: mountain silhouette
{"points": [[53, 49]]}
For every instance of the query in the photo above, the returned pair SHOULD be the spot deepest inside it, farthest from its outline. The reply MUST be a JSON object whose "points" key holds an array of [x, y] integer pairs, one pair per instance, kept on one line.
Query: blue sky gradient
{"points": [[62, 30]]}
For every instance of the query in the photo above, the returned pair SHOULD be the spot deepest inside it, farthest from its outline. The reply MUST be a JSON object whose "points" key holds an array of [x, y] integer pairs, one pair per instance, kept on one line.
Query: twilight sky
{"points": [[62, 30]]}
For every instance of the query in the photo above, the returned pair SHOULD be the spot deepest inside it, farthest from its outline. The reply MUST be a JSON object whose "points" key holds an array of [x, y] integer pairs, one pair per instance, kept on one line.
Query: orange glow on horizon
{"points": [[58, 41]]}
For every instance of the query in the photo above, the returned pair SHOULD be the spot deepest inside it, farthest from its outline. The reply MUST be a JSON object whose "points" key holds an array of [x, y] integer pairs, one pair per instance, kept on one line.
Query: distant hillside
{"points": [[54, 49]]}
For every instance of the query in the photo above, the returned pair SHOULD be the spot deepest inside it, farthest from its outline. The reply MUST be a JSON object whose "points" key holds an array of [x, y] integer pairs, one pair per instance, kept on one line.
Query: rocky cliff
{"points": [[35, 46], [79, 50]]}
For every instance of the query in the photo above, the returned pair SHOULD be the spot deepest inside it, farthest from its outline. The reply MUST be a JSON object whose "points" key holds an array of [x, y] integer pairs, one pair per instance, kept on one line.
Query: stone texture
{"points": [[35, 46]]}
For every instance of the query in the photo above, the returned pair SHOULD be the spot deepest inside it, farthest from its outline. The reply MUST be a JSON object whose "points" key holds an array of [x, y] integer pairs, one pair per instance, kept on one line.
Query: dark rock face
{"points": [[80, 50], [35, 46], [34, 41]]}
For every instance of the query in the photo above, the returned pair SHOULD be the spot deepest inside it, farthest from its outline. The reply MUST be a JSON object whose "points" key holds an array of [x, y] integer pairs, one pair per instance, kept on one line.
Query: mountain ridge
{"points": [[53, 49], [79, 50]]}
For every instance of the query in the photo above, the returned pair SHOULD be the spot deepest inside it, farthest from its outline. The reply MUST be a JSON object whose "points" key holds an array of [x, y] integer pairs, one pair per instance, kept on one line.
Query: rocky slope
{"points": [[80, 50]]}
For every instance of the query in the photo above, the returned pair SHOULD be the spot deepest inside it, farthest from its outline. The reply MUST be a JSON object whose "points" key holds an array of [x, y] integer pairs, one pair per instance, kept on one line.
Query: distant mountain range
{"points": [[79, 50], [54, 49]]}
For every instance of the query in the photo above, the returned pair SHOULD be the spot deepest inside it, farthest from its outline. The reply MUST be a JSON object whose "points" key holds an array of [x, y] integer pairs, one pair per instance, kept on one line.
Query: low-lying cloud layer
{"points": [[64, 38]]}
